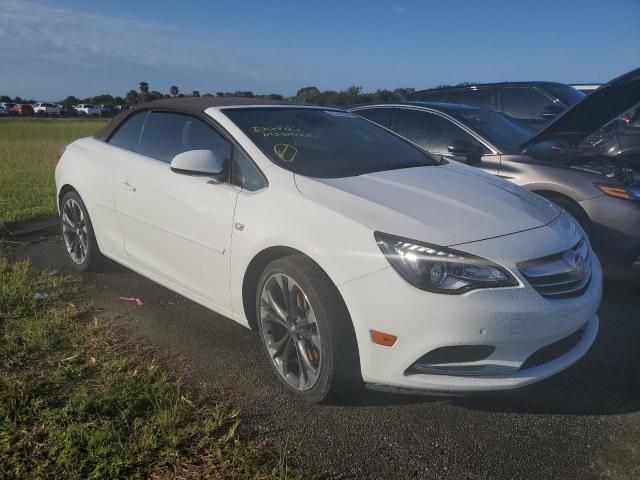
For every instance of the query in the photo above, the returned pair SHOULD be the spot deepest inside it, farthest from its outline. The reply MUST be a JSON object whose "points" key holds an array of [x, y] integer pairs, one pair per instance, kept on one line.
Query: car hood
{"points": [[593, 112], [447, 204]]}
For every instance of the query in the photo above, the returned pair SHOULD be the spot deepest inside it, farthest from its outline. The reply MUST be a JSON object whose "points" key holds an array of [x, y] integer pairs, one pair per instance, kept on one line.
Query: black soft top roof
{"points": [[189, 105]]}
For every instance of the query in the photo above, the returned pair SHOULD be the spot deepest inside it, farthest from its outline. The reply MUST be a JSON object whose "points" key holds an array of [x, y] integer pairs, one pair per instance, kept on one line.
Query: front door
{"points": [[177, 226]]}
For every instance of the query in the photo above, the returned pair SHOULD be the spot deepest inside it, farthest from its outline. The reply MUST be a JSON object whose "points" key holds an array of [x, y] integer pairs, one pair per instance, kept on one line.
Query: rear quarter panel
{"points": [[86, 168]]}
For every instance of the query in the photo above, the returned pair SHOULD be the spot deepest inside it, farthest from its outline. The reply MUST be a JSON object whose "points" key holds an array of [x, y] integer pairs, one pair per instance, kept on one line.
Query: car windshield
{"points": [[503, 132], [565, 93], [326, 143]]}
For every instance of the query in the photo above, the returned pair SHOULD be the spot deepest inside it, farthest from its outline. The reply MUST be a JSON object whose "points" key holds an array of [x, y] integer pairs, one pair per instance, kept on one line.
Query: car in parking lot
{"points": [[601, 191], [22, 110], [107, 110], [87, 109], [47, 109], [357, 256], [532, 103], [7, 106], [3, 111]]}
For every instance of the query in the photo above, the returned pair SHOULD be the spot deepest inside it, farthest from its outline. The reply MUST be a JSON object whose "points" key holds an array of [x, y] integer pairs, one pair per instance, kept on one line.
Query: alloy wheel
{"points": [[290, 331], [74, 231]]}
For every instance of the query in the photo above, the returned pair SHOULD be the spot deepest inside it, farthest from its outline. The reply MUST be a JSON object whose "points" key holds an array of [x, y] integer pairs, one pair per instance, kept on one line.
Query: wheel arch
{"points": [[346, 352], [255, 268], [552, 195], [66, 188], [252, 274]]}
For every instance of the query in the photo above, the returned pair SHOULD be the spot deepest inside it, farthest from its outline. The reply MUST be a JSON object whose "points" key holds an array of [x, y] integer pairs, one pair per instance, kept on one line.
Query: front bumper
{"points": [[516, 321]]}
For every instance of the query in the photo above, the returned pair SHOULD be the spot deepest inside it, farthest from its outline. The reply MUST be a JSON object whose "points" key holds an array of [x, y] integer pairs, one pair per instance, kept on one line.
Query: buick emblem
{"points": [[579, 264]]}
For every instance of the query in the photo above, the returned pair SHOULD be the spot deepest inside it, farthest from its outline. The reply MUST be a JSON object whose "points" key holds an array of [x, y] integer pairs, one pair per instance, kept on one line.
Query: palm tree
{"points": [[144, 91], [174, 90]]}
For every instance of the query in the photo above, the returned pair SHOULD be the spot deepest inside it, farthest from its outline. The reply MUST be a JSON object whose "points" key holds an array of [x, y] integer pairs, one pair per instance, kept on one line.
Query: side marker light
{"points": [[384, 339]]}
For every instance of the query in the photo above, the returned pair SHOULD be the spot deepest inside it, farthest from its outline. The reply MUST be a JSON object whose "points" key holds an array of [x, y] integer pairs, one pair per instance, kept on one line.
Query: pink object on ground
{"points": [[135, 300]]}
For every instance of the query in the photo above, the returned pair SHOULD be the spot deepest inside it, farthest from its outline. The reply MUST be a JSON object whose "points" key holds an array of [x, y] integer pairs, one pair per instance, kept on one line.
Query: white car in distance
{"points": [[47, 109], [357, 256], [87, 109]]}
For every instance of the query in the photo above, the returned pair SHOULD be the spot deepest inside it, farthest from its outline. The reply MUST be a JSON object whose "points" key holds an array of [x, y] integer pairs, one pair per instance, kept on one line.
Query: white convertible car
{"points": [[357, 256]]}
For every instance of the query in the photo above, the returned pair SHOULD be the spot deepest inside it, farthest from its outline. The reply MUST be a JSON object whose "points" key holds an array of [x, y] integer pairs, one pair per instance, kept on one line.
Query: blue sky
{"points": [[50, 49]]}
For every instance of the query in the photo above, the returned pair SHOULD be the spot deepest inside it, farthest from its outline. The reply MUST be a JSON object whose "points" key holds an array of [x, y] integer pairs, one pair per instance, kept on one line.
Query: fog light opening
{"points": [[454, 360]]}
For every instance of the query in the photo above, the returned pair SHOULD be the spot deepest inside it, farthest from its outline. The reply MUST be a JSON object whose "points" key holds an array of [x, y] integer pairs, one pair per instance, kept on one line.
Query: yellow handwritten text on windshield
{"points": [[281, 131]]}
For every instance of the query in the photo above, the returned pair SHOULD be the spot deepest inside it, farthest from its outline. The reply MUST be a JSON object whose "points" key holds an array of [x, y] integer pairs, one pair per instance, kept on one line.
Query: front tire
{"points": [[77, 234], [306, 330]]}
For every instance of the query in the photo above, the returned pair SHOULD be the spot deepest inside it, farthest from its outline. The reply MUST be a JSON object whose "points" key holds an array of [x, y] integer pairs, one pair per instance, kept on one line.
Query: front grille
{"points": [[563, 275], [554, 350]]}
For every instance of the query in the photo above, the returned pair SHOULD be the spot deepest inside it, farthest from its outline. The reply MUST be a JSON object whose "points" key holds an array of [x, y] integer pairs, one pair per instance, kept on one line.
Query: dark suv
{"points": [[533, 103]]}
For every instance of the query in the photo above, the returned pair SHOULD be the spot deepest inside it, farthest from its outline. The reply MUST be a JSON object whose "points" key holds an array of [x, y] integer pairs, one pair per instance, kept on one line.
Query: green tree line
{"points": [[309, 95]]}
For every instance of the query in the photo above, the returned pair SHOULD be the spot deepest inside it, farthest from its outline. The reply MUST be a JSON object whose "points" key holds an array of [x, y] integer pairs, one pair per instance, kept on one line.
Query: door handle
{"points": [[127, 186]]}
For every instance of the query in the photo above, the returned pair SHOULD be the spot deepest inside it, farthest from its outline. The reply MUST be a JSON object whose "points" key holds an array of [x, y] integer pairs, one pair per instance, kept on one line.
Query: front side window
{"points": [[325, 143], [128, 135], [524, 102], [432, 132], [381, 116], [504, 132], [165, 135]]}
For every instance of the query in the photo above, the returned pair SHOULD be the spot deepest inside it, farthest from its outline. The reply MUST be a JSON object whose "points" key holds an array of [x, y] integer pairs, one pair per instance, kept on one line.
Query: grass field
{"points": [[77, 399], [28, 159], [78, 402]]}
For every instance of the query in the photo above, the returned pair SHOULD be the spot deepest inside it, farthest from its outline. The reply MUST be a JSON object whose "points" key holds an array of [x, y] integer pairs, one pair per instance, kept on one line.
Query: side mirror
{"points": [[551, 111], [464, 148], [198, 162]]}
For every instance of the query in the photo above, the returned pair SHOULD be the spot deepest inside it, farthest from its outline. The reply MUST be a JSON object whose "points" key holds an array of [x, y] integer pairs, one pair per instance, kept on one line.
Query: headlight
{"points": [[619, 191], [441, 270]]}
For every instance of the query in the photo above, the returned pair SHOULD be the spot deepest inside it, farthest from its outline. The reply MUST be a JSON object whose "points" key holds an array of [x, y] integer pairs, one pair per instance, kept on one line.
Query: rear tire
{"points": [[314, 316], [77, 234]]}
